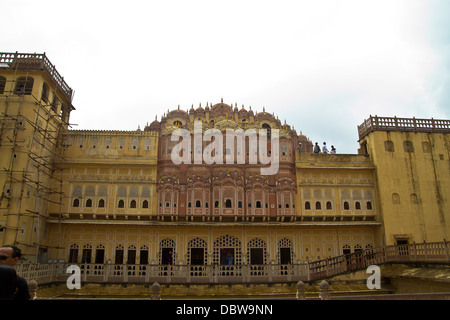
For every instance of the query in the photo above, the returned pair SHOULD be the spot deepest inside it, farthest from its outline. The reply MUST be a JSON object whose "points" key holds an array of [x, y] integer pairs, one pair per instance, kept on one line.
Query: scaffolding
{"points": [[38, 136]]}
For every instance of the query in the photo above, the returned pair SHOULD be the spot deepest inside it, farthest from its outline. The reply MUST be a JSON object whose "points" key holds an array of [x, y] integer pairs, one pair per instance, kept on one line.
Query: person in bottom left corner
{"points": [[9, 255]]}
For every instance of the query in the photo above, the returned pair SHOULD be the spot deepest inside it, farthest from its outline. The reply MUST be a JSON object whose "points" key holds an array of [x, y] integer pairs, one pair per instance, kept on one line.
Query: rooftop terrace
{"points": [[35, 61], [402, 124]]}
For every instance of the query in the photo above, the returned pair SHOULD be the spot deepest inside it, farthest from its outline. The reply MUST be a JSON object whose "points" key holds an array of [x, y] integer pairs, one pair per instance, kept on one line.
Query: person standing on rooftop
{"points": [[316, 148]]}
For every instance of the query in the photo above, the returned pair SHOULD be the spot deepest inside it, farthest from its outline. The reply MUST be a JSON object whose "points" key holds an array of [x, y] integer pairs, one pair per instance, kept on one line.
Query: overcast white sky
{"points": [[324, 66]]}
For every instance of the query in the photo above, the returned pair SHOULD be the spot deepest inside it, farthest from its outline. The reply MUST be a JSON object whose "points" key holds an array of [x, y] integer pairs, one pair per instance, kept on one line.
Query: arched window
{"points": [[369, 205], [258, 204], [76, 203], [100, 254], [318, 205], [408, 146], [239, 204], [216, 204], [101, 203], [357, 205], [346, 249], [329, 207], [198, 204], [307, 205], [145, 204], [268, 128], [73, 253], [121, 204], [389, 146], [133, 204], [346, 206], [44, 94], [88, 203], [24, 85], [2, 84], [177, 123], [228, 203]]}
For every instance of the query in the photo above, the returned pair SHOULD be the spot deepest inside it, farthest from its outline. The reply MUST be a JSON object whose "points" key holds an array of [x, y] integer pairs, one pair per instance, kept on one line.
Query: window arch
{"points": [[307, 205], [346, 249], [133, 204], [100, 254], [395, 198], [369, 205], [197, 252], [145, 204], [44, 94], [329, 206], [227, 250], [346, 206], [258, 204], [24, 85], [408, 146], [88, 203], [167, 251], [86, 254], [198, 204], [257, 254], [228, 203], [318, 205], [119, 254], [76, 203], [357, 205], [269, 130], [101, 203], [2, 84], [285, 251], [73, 253], [389, 146], [121, 204]]}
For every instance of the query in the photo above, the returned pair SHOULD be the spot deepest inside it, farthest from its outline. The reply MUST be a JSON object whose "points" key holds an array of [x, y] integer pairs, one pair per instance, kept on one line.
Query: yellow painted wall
{"points": [[29, 133], [414, 187], [309, 242]]}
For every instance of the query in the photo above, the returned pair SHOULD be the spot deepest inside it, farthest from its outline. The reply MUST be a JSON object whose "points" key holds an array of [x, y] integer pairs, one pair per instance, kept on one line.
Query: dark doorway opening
{"points": [[197, 256], [100, 256], [256, 256], [143, 257], [227, 256], [167, 256], [285, 255]]}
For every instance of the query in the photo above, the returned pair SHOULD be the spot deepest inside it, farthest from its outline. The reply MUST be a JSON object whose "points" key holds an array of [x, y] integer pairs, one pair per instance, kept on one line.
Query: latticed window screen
{"points": [[285, 244], [227, 241], [257, 244], [195, 244], [167, 244]]}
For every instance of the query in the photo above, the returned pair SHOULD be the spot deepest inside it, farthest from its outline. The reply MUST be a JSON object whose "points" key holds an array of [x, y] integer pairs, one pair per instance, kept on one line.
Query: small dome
{"points": [[154, 126]]}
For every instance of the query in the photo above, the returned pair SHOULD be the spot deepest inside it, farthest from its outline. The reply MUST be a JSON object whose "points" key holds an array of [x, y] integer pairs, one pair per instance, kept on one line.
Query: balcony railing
{"points": [[402, 124], [35, 61], [434, 252]]}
